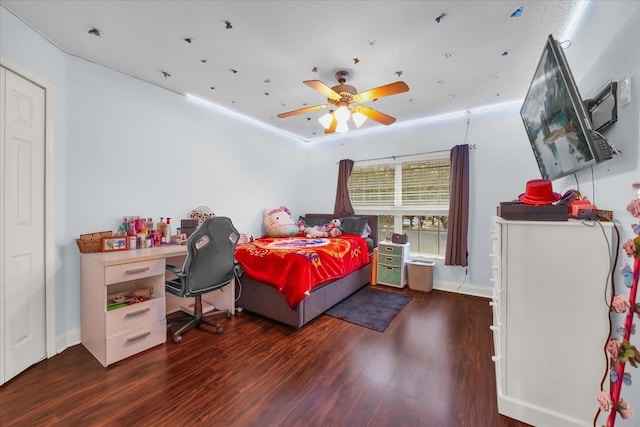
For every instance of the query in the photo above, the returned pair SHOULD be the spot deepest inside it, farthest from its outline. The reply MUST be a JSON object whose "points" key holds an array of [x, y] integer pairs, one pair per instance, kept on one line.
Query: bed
{"points": [[263, 298]]}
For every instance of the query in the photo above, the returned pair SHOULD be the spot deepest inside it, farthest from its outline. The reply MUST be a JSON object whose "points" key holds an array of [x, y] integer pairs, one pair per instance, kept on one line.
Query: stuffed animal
{"points": [[279, 223], [244, 238], [332, 229], [335, 229], [315, 232]]}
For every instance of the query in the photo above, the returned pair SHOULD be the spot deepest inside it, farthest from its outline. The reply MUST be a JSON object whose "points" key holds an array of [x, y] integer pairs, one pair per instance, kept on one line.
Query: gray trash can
{"points": [[420, 275]]}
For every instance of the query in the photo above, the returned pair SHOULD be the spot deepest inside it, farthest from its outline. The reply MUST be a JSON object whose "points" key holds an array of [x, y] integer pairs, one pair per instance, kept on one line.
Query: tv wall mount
{"points": [[603, 108]]}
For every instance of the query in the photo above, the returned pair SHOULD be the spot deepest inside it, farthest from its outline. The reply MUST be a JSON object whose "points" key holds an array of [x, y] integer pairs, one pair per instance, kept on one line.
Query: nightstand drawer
{"points": [[390, 260], [389, 275], [384, 250], [133, 271]]}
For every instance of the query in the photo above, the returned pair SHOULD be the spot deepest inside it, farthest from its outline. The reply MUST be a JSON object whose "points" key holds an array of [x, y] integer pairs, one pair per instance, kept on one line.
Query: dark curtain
{"points": [[458, 207], [343, 202]]}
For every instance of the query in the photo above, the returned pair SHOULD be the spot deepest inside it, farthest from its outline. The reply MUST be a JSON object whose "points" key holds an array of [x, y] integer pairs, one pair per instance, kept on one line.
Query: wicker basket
{"points": [[92, 242]]}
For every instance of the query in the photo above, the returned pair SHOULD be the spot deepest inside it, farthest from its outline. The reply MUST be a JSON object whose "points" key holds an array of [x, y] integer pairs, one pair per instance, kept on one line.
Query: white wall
{"points": [[123, 147], [606, 43], [136, 149], [611, 186], [494, 158], [21, 49]]}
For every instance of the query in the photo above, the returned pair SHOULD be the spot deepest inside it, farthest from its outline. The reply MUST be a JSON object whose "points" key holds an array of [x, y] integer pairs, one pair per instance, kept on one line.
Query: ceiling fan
{"points": [[343, 96]]}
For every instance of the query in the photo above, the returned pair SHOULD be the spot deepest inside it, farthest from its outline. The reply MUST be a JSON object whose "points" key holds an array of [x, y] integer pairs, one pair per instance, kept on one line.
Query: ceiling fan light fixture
{"points": [[342, 97], [342, 127], [342, 114], [358, 118], [325, 120]]}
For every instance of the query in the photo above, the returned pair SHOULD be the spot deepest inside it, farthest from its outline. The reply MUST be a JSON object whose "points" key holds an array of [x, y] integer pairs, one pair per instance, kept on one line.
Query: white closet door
{"points": [[22, 224]]}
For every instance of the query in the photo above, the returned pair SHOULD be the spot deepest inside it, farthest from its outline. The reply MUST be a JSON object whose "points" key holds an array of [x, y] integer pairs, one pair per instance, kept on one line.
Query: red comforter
{"points": [[295, 265]]}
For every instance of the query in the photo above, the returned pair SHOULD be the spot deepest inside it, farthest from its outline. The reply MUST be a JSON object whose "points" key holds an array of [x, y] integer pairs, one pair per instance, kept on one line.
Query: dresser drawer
{"points": [[390, 260], [389, 275], [390, 250], [134, 341], [134, 316], [132, 271]]}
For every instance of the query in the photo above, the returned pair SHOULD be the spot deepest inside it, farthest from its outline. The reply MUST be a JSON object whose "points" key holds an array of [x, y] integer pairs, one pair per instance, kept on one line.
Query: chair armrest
{"points": [[175, 270]]}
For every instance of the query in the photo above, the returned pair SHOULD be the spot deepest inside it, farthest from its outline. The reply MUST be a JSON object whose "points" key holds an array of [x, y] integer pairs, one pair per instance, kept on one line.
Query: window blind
{"points": [[415, 186], [372, 185], [426, 184]]}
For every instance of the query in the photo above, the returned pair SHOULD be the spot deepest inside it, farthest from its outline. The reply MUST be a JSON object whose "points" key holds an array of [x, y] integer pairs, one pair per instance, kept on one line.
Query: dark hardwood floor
{"points": [[432, 367]]}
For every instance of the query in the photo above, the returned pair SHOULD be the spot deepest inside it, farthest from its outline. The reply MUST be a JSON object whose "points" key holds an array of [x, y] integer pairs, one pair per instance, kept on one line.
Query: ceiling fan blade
{"points": [[380, 91], [375, 115], [333, 125], [322, 88], [302, 111]]}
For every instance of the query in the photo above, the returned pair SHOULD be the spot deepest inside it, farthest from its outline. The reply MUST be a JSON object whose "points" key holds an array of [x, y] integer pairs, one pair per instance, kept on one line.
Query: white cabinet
{"points": [[114, 334], [550, 318], [391, 265]]}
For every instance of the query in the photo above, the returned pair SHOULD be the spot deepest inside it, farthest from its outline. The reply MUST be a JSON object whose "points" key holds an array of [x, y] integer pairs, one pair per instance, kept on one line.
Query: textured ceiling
{"points": [[251, 57]]}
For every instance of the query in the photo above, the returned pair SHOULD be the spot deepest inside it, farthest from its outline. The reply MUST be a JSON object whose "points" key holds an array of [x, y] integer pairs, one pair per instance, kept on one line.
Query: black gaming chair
{"points": [[210, 265]]}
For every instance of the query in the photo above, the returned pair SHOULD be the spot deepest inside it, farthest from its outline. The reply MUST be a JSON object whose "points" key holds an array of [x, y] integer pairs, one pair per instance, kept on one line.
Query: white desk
{"points": [[116, 334]]}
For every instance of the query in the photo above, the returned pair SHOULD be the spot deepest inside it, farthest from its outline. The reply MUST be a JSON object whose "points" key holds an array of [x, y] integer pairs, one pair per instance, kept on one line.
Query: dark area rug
{"points": [[371, 308]]}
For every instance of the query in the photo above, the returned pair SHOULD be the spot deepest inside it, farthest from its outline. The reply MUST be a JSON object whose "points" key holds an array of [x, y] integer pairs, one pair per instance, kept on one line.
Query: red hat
{"points": [[538, 193]]}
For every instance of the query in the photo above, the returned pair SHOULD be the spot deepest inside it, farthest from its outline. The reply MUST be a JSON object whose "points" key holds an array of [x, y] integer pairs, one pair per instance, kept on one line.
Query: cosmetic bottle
{"points": [[167, 234], [161, 228]]}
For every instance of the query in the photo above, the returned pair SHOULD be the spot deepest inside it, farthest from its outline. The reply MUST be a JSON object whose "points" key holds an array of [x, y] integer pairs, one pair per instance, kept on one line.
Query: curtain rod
{"points": [[401, 156], [466, 134], [471, 147]]}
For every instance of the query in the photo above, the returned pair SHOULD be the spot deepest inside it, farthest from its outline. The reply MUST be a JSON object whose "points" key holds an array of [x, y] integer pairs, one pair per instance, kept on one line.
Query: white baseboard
{"points": [[67, 339], [466, 288]]}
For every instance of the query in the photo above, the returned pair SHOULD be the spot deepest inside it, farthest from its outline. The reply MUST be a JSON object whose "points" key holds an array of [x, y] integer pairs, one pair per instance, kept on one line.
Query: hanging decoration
{"points": [[620, 351]]}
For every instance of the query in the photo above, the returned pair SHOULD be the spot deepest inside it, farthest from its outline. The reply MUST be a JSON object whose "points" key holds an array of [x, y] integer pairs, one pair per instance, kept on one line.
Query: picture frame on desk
{"points": [[114, 243]]}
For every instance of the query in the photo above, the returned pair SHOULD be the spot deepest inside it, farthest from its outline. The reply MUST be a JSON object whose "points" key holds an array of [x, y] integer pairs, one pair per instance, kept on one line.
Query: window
{"points": [[409, 195]]}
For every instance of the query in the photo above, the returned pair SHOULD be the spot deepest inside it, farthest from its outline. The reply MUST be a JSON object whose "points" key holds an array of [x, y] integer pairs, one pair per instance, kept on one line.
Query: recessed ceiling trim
{"points": [[241, 117], [574, 20], [427, 120], [252, 104]]}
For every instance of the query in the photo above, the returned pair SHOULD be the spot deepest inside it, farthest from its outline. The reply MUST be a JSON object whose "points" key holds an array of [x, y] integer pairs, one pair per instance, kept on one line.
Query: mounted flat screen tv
{"points": [[556, 120]]}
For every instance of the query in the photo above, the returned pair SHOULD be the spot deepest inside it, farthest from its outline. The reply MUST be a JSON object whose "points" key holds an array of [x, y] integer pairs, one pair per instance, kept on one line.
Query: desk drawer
{"points": [[390, 260], [135, 315], [132, 271], [134, 341]]}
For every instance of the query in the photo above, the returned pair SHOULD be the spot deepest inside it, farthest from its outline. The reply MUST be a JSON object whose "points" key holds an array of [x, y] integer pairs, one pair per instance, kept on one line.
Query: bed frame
{"points": [[265, 300]]}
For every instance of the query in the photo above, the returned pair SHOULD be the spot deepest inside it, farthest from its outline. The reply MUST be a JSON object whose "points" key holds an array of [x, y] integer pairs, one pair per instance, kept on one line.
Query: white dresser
{"points": [[550, 318]]}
